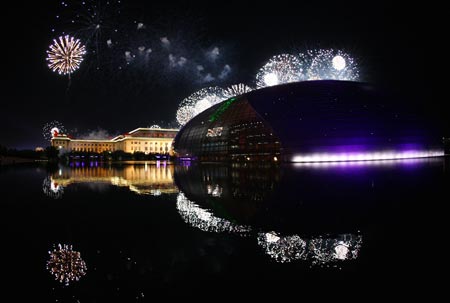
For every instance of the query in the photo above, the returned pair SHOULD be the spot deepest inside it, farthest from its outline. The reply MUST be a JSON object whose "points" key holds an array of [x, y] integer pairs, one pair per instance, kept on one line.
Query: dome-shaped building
{"points": [[309, 121]]}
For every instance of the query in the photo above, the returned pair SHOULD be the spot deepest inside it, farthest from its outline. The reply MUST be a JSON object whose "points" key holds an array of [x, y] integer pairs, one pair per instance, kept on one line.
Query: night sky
{"points": [[394, 47]]}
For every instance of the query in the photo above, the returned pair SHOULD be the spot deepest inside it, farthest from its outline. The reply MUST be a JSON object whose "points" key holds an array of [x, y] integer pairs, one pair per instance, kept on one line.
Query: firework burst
{"points": [[332, 64], [184, 114], [198, 102], [236, 90], [66, 264], [65, 55], [53, 129], [280, 69], [98, 23]]}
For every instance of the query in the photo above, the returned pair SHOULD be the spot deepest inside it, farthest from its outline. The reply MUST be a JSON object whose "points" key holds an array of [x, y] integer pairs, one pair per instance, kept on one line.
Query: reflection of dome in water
{"points": [[203, 219], [290, 200], [275, 208], [238, 191]]}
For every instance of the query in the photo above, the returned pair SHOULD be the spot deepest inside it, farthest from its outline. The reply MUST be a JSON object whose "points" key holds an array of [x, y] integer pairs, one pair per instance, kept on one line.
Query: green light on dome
{"points": [[222, 108]]}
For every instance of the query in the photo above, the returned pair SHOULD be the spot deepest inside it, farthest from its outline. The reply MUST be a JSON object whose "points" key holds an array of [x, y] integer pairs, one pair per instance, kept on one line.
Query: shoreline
{"points": [[6, 160]]}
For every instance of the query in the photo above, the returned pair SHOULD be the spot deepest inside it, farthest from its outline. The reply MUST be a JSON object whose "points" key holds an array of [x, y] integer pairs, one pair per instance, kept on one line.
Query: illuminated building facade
{"points": [[145, 140], [311, 121]]}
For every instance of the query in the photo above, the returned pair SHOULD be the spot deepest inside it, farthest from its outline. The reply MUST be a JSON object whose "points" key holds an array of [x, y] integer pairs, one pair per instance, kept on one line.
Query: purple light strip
{"points": [[354, 164], [366, 156]]}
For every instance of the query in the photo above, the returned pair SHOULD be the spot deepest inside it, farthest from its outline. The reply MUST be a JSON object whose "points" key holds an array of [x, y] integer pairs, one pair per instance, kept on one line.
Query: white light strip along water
{"points": [[366, 156]]}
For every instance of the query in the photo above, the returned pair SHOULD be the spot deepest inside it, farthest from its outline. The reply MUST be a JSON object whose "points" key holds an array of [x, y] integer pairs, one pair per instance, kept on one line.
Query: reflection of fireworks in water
{"points": [[280, 69], [52, 189], [333, 64], [52, 129], [326, 250], [319, 251], [198, 102], [66, 264], [283, 249], [203, 219], [236, 90]]}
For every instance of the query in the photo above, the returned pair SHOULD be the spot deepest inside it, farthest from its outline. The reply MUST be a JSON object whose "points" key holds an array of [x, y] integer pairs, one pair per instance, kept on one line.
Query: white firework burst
{"points": [[65, 55], [155, 126], [184, 114], [198, 102], [280, 69], [236, 90], [333, 64]]}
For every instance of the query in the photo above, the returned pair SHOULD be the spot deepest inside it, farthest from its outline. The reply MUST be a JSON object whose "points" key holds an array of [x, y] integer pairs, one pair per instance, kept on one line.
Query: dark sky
{"points": [[395, 46]]}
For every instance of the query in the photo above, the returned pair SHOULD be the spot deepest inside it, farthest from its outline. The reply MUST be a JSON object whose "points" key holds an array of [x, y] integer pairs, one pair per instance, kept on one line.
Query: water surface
{"points": [[94, 232]]}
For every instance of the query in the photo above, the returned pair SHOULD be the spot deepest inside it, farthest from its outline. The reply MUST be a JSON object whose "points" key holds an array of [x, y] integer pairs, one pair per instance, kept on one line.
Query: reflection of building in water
{"points": [[319, 250], [149, 179], [66, 264], [204, 219], [52, 188], [146, 140]]}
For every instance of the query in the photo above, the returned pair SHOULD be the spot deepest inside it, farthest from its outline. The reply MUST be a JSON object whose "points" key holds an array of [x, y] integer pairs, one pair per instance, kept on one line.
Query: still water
{"points": [[93, 232]]}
